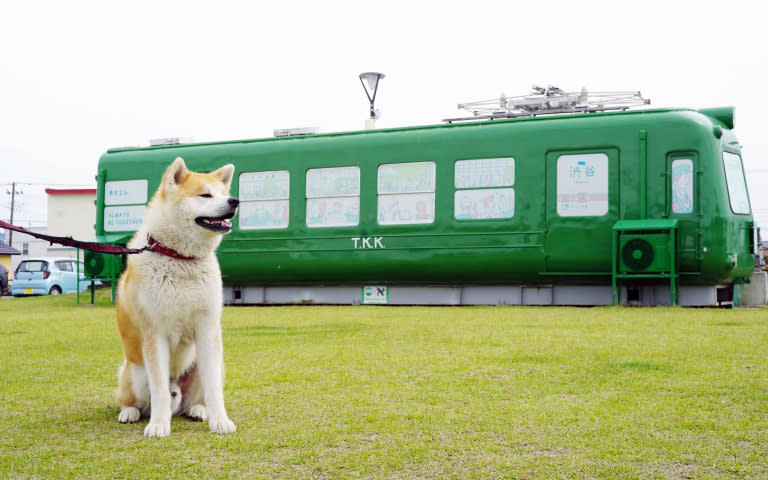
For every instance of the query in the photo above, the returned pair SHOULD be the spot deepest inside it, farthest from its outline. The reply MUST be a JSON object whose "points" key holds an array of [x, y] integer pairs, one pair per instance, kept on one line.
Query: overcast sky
{"points": [[79, 77]]}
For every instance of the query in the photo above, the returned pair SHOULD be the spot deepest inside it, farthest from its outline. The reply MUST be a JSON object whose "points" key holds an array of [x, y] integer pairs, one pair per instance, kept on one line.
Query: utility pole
{"points": [[12, 192]]}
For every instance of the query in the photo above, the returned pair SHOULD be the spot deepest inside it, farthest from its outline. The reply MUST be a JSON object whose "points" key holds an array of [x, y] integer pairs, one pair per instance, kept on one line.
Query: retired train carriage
{"points": [[646, 207]]}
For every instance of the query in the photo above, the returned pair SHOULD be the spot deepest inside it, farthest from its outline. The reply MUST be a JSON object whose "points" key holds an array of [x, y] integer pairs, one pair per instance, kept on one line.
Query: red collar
{"points": [[158, 247]]}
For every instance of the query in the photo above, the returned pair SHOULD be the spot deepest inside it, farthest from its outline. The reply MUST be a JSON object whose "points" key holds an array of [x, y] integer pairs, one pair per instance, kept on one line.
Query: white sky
{"points": [[78, 77]]}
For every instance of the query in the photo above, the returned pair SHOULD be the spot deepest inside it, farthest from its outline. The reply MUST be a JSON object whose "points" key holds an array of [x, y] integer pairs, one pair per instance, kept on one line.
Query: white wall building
{"points": [[71, 213], [28, 245]]}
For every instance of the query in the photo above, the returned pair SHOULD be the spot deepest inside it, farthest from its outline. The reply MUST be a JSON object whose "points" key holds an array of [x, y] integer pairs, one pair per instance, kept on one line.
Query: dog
{"points": [[169, 304]]}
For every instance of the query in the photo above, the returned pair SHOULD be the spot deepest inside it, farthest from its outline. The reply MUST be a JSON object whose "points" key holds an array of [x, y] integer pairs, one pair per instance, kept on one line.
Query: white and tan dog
{"points": [[170, 302]]}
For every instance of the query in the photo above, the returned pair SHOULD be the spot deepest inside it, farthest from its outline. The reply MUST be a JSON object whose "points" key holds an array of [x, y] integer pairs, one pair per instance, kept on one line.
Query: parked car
{"points": [[3, 280], [48, 276]]}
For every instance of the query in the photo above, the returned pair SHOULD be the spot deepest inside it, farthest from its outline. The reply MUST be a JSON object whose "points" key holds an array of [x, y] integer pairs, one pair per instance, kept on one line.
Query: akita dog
{"points": [[169, 304]]}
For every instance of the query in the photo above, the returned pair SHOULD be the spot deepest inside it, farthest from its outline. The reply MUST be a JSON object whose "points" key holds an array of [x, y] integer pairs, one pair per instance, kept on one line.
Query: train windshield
{"points": [[737, 184]]}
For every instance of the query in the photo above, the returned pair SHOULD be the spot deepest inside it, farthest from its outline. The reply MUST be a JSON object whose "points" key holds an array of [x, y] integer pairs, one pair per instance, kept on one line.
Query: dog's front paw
{"points": [[129, 415], [197, 413], [222, 425], [157, 430]]}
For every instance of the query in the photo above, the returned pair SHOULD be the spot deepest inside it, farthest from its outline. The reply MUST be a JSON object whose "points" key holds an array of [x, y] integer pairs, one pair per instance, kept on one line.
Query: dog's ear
{"points": [[174, 176], [225, 174]]}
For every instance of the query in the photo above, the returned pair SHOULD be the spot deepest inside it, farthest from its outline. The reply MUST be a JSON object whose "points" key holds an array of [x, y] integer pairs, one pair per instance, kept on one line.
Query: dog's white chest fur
{"points": [[182, 295]]}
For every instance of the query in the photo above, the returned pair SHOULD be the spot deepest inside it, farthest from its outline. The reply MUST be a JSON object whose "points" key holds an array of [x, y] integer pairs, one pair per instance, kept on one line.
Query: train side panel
{"points": [[567, 181]]}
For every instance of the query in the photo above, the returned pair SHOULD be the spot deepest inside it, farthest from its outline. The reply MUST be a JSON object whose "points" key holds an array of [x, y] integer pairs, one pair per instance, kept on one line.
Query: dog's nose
{"points": [[173, 394], [233, 202]]}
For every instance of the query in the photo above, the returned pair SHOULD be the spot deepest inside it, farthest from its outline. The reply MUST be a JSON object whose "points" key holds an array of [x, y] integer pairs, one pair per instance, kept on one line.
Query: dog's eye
{"points": [[206, 195]]}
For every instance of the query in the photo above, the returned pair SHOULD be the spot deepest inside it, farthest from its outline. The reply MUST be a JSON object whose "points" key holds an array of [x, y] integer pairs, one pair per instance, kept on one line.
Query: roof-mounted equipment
{"points": [[161, 142], [294, 132], [548, 101]]}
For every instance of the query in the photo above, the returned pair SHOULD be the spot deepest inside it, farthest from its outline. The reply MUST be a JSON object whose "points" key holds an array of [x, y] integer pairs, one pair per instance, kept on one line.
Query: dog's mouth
{"points": [[216, 224]]}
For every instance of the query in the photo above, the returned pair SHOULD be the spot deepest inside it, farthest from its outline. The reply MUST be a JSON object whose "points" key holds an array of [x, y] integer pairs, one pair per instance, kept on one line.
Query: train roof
{"points": [[719, 116]]}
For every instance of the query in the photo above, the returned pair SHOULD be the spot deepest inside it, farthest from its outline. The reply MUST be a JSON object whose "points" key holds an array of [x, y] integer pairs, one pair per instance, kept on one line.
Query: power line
{"points": [[46, 184]]}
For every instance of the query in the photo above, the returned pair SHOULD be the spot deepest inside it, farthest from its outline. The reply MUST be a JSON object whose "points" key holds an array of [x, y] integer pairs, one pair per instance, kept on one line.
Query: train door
{"points": [[582, 207], [682, 202]]}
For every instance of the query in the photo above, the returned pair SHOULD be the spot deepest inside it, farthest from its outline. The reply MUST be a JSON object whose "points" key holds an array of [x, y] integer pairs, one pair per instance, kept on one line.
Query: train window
{"points": [[682, 185], [737, 185], [477, 196], [333, 196], [582, 185], [264, 199], [406, 193]]}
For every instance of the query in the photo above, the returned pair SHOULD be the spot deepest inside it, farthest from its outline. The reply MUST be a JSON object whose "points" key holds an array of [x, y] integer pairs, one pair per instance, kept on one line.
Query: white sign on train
{"points": [[125, 192]]}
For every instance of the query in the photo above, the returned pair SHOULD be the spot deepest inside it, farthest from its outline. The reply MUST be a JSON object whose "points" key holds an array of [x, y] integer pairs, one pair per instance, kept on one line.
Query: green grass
{"points": [[404, 392]]}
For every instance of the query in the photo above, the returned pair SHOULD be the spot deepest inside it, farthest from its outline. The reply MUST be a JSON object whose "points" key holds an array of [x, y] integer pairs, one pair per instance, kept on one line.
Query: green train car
{"points": [[639, 207]]}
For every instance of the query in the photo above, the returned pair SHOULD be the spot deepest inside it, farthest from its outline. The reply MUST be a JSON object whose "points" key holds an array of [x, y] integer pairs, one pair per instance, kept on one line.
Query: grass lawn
{"points": [[404, 392]]}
